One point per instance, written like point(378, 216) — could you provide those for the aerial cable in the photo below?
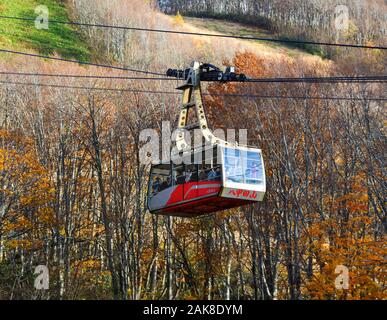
point(81, 76)
point(205, 94)
point(202, 34)
point(321, 79)
point(80, 62)
point(248, 80)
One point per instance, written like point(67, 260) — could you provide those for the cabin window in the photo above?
point(210, 168)
point(178, 176)
point(160, 178)
point(254, 168)
point(243, 166)
point(191, 173)
point(233, 165)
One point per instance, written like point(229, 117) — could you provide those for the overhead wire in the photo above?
point(347, 79)
point(359, 79)
point(94, 25)
point(80, 62)
point(81, 76)
point(336, 79)
point(205, 94)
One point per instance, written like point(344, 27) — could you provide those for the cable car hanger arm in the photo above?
point(192, 99)
point(209, 72)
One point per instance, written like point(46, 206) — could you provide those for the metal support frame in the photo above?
point(192, 98)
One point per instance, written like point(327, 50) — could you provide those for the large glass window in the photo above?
point(243, 166)
point(233, 165)
point(254, 168)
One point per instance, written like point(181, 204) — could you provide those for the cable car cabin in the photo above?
point(212, 179)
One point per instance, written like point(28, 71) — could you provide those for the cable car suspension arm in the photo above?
point(192, 98)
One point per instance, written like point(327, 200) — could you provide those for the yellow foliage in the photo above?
point(178, 19)
point(362, 255)
point(87, 265)
point(24, 244)
point(27, 190)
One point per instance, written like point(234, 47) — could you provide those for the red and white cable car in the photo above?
point(214, 177)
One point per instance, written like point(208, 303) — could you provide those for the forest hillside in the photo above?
point(73, 187)
point(311, 19)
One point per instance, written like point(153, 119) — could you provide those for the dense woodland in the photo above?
point(73, 189)
point(309, 19)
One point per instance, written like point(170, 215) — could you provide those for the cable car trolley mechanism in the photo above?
point(215, 176)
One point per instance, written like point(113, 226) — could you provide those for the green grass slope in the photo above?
point(59, 39)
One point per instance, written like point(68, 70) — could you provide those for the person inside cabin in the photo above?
point(202, 175)
point(230, 170)
point(174, 179)
point(252, 172)
point(217, 173)
point(156, 185)
point(181, 179)
point(188, 175)
point(164, 185)
point(212, 174)
point(194, 176)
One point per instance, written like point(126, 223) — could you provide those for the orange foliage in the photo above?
point(344, 241)
point(29, 192)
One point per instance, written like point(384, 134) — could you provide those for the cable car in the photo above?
point(215, 176)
